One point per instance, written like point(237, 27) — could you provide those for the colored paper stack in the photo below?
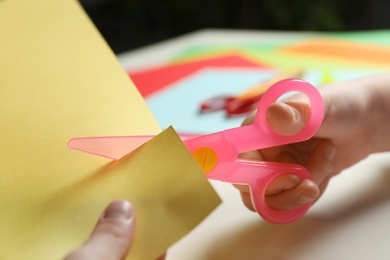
point(198, 90)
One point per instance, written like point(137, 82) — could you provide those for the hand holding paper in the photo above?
point(59, 79)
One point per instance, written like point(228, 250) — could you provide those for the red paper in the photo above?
point(152, 80)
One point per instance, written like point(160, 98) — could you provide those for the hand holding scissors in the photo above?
point(217, 153)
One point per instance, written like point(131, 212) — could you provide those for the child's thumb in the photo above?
point(288, 117)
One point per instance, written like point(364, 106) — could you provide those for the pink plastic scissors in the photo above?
point(217, 153)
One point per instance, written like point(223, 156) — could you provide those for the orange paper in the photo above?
point(336, 49)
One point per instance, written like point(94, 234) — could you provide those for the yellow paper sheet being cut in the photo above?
point(59, 80)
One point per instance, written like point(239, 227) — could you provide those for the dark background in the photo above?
point(129, 24)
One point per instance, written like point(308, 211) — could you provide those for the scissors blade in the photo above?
point(113, 147)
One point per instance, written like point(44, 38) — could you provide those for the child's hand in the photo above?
point(356, 122)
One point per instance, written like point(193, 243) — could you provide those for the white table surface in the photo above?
point(350, 221)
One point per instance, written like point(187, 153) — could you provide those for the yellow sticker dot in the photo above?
point(206, 158)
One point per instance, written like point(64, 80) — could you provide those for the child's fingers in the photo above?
point(284, 193)
point(321, 163)
point(247, 200)
point(305, 192)
point(282, 183)
point(288, 191)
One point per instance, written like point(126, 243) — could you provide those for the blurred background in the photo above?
point(129, 24)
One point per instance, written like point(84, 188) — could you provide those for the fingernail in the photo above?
point(303, 199)
point(119, 209)
point(329, 152)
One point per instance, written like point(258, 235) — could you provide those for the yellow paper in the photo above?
point(59, 80)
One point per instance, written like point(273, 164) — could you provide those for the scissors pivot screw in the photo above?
point(206, 158)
